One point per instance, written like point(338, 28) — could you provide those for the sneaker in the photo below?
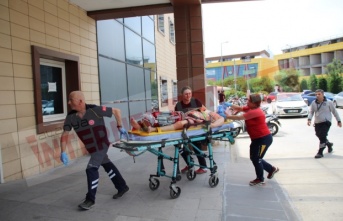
point(121, 193)
point(318, 155)
point(184, 170)
point(274, 171)
point(87, 204)
point(200, 171)
point(329, 146)
point(256, 182)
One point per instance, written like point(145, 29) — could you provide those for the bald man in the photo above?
point(88, 122)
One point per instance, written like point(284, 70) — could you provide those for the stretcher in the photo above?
point(139, 142)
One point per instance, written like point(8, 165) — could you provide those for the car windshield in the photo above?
point(328, 94)
point(289, 97)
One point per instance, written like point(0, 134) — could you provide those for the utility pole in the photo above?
point(221, 59)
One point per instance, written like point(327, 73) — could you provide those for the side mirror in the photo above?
point(306, 100)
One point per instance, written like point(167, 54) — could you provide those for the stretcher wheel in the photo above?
point(174, 194)
point(213, 181)
point(178, 177)
point(154, 184)
point(191, 174)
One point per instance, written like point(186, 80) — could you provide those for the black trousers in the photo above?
point(202, 160)
point(322, 130)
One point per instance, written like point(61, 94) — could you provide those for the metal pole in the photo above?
point(290, 54)
point(221, 61)
point(234, 76)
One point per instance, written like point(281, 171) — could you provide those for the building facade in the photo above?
point(50, 48)
point(309, 59)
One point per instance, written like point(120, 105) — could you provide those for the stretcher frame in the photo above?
point(156, 148)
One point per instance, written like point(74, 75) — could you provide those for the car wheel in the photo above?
point(335, 103)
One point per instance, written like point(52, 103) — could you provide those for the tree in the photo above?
point(323, 84)
point(313, 82)
point(288, 80)
point(334, 71)
point(303, 85)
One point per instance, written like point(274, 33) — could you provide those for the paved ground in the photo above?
point(304, 189)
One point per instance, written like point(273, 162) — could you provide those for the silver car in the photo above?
point(290, 104)
point(338, 99)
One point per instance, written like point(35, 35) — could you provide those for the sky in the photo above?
point(271, 25)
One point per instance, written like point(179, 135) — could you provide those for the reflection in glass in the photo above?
point(133, 45)
point(149, 55)
point(111, 39)
point(51, 90)
point(112, 78)
point(134, 23)
point(148, 28)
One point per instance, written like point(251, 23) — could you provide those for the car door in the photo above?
point(339, 99)
point(310, 98)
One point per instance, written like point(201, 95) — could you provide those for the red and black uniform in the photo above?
point(261, 139)
point(92, 132)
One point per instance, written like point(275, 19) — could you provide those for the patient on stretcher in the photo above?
point(190, 118)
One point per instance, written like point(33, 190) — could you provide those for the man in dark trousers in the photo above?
point(322, 109)
point(88, 122)
point(187, 103)
point(221, 96)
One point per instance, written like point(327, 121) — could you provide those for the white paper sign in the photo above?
point(52, 87)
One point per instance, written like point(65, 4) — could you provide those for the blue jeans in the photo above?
point(258, 149)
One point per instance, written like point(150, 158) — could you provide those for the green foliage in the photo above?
point(303, 85)
point(288, 80)
point(334, 71)
point(323, 84)
point(260, 84)
point(313, 82)
point(154, 90)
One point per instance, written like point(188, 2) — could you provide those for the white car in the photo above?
point(290, 104)
point(49, 108)
point(338, 99)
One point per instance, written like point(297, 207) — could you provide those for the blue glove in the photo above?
point(221, 111)
point(227, 104)
point(123, 132)
point(64, 158)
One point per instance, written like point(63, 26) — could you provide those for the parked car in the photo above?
point(338, 100)
point(306, 92)
point(290, 104)
point(271, 96)
point(310, 97)
point(49, 109)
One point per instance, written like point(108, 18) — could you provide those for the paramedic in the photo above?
point(259, 134)
point(88, 122)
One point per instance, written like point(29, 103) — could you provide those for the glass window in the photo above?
point(149, 55)
point(174, 92)
point(111, 39)
point(133, 46)
point(171, 32)
point(160, 23)
point(148, 28)
point(164, 92)
point(53, 87)
point(112, 80)
point(154, 91)
point(59, 79)
point(134, 23)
